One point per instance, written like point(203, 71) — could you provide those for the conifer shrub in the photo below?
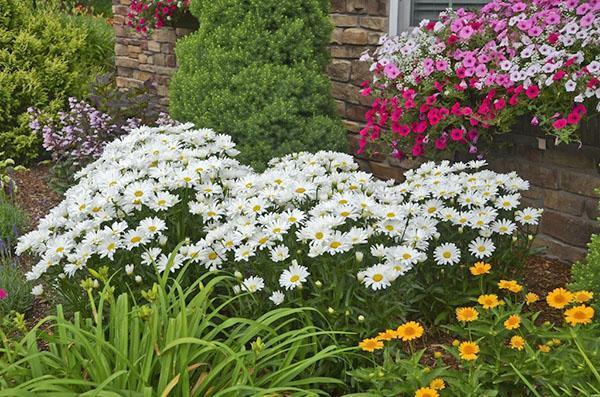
point(255, 69)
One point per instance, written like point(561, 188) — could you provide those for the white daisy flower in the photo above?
point(377, 277)
point(293, 277)
point(447, 254)
point(277, 297)
point(481, 247)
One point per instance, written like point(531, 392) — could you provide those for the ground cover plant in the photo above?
point(255, 70)
point(450, 85)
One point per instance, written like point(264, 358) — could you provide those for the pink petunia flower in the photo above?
point(3, 294)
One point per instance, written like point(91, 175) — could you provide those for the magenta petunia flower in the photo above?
point(3, 294)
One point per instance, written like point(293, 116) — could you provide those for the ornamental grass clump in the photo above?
point(176, 341)
point(451, 84)
point(313, 229)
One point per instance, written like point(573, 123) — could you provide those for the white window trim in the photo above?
point(399, 19)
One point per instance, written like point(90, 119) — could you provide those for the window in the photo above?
point(407, 13)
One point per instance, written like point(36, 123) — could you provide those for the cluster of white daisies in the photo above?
point(156, 187)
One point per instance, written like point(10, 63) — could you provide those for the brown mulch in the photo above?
point(33, 194)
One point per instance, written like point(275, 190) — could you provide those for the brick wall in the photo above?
point(563, 178)
point(139, 59)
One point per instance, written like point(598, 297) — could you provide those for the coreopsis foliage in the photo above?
point(451, 84)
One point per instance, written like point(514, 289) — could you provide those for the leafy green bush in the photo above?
point(585, 275)
point(12, 223)
point(180, 344)
point(19, 297)
point(254, 70)
point(45, 57)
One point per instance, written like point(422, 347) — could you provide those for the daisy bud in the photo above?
point(238, 275)
point(162, 240)
point(318, 284)
point(330, 310)
point(437, 354)
point(514, 238)
point(455, 342)
point(359, 256)
point(129, 270)
point(138, 279)
point(461, 230)
point(426, 370)
point(96, 284)
point(529, 237)
point(187, 240)
point(361, 318)
point(299, 252)
point(62, 276)
point(294, 262)
point(347, 313)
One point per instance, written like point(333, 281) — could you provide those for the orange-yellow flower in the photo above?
point(480, 268)
point(409, 331)
point(388, 334)
point(510, 285)
point(544, 348)
point(579, 315)
point(426, 392)
point(371, 344)
point(513, 322)
point(468, 350)
point(517, 342)
point(489, 301)
point(466, 314)
point(530, 298)
point(583, 296)
point(559, 298)
point(437, 384)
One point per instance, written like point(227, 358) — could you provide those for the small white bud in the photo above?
point(359, 256)
point(138, 279)
point(129, 269)
point(330, 310)
point(361, 318)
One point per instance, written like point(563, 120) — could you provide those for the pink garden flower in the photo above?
point(3, 294)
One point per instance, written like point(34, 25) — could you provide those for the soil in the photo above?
point(33, 194)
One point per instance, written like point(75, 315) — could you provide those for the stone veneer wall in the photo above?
point(563, 178)
point(139, 59)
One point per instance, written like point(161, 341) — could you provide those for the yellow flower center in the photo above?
point(377, 277)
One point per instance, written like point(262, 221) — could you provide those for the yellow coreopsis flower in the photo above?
point(371, 344)
point(583, 296)
point(513, 322)
point(437, 384)
point(559, 298)
point(488, 301)
point(510, 285)
point(544, 348)
point(468, 351)
point(530, 298)
point(388, 334)
point(409, 331)
point(426, 392)
point(517, 342)
point(579, 315)
point(466, 314)
point(480, 268)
